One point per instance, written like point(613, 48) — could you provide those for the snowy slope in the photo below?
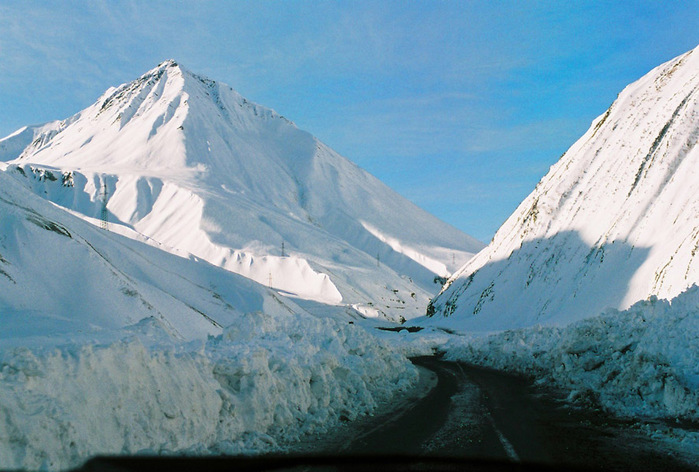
point(109, 345)
point(615, 220)
point(60, 276)
point(191, 164)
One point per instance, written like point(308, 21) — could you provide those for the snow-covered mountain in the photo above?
point(109, 345)
point(615, 220)
point(197, 169)
point(204, 320)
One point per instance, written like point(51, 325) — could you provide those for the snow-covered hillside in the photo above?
point(195, 167)
point(60, 276)
point(184, 328)
point(109, 345)
point(615, 220)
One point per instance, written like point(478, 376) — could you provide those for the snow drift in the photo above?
point(615, 221)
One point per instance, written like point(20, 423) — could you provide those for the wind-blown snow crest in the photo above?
point(615, 221)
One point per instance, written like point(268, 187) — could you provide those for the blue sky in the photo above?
point(459, 106)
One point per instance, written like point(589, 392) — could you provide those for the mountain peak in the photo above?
point(168, 107)
point(168, 63)
point(192, 164)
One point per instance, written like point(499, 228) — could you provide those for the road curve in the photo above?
point(479, 413)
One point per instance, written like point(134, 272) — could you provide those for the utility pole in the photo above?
point(378, 260)
point(104, 214)
point(283, 254)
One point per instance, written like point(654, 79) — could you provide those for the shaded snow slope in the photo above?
point(615, 220)
point(191, 164)
point(110, 345)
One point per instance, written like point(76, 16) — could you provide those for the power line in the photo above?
point(104, 214)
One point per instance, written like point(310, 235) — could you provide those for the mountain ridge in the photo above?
point(619, 205)
point(173, 145)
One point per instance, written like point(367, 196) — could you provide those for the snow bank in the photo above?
point(643, 361)
point(264, 382)
point(427, 342)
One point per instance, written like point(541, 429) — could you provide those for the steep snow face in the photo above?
point(191, 164)
point(615, 221)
